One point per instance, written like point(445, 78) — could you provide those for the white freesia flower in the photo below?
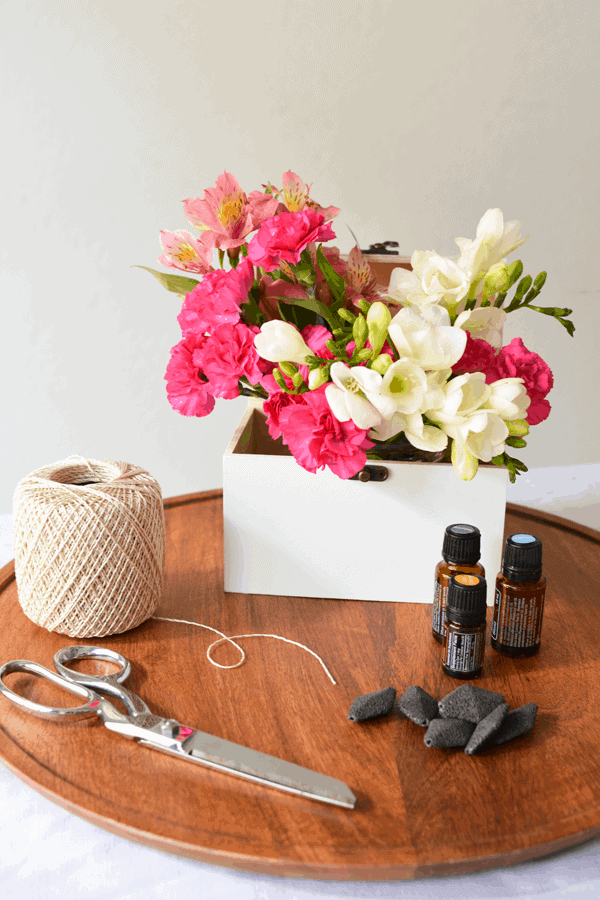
point(508, 397)
point(463, 396)
point(280, 342)
point(424, 437)
point(421, 436)
point(484, 323)
point(405, 383)
point(434, 281)
point(355, 394)
point(482, 433)
point(480, 437)
point(435, 395)
point(465, 464)
point(388, 428)
point(493, 242)
point(428, 339)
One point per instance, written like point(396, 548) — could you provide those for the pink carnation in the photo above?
point(228, 355)
point(216, 300)
point(278, 401)
point(479, 356)
point(317, 439)
point(316, 337)
point(516, 361)
point(188, 392)
point(283, 238)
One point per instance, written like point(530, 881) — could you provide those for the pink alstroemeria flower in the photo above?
point(226, 214)
point(360, 278)
point(283, 238)
point(294, 196)
point(182, 251)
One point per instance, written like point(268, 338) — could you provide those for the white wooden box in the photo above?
point(290, 533)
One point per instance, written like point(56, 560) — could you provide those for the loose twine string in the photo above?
point(232, 640)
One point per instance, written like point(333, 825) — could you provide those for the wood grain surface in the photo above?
point(420, 812)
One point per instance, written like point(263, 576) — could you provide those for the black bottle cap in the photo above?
point(522, 557)
point(462, 544)
point(466, 602)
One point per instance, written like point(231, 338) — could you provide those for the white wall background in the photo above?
point(413, 118)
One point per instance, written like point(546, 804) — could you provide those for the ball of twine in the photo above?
point(89, 546)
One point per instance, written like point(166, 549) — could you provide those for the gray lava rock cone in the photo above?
point(486, 729)
point(419, 706)
point(448, 733)
point(517, 722)
point(368, 706)
point(470, 703)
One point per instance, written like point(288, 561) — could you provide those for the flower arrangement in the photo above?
point(347, 369)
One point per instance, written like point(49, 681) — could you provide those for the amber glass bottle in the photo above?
point(519, 600)
point(463, 645)
point(461, 551)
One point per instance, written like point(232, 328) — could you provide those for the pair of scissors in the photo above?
point(165, 735)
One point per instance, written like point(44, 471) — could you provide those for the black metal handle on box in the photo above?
point(371, 473)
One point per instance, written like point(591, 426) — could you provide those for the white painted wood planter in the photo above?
point(290, 533)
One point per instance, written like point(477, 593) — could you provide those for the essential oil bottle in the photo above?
point(519, 600)
point(463, 645)
point(461, 551)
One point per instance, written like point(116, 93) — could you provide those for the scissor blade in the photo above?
point(218, 753)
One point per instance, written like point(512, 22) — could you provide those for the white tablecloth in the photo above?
point(46, 852)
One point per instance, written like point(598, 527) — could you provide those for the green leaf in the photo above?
point(567, 324)
point(552, 310)
point(315, 306)
point(516, 442)
point(514, 466)
point(286, 315)
point(557, 313)
point(335, 281)
point(304, 269)
point(288, 368)
point(251, 310)
point(515, 270)
point(177, 284)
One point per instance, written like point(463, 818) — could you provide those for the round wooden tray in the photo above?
point(420, 812)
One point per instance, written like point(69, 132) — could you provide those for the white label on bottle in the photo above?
point(464, 651)
point(440, 598)
point(518, 620)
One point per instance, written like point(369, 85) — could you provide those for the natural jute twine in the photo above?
point(89, 546)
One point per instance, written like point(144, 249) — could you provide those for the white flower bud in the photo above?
point(279, 342)
point(316, 378)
